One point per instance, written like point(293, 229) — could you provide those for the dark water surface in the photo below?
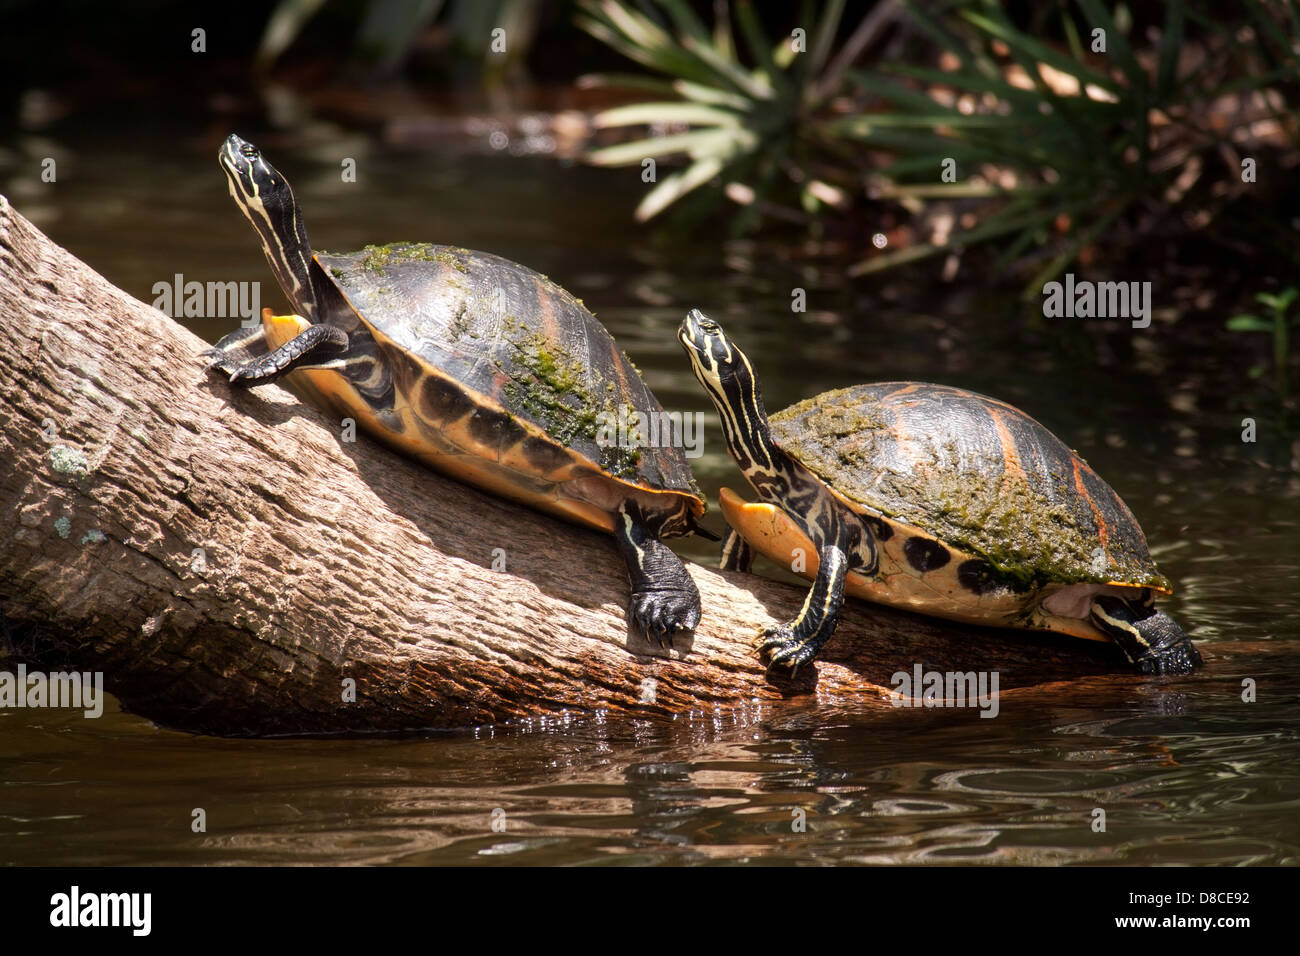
point(1186, 771)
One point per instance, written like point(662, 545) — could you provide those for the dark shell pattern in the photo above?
point(514, 336)
point(974, 472)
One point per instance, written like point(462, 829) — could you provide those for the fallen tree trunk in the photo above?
point(228, 563)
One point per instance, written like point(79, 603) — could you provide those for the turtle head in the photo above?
point(719, 364)
point(254, 183)
point(267, 199)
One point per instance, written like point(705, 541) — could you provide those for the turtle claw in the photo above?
point(218, 359)
point(781, 648)
point(661, 614)
point(236, 349)
point(665, 599)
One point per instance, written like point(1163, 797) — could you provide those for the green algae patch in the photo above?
point(832, 415)
point(548, 386)
point(68, 461)
point(379, 259)
point(1034, 528)
point(1029, 538)
point(63, 526)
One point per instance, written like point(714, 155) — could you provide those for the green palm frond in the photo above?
point(734, 118)
point(1080, 145)
point(1056, 139)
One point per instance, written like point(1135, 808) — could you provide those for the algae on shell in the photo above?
point(1032, 528)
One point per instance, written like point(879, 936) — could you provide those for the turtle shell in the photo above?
point(482, 336)
point(973, 472)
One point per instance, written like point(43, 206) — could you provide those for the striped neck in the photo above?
point(267, 199)
point(744, 420)
point(726, 374)
point(779, 478)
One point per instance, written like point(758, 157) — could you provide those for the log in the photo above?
point(229, 563)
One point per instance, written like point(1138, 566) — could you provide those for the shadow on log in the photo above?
point(228, 562)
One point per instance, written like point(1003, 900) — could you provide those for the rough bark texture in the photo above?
point(325, 560)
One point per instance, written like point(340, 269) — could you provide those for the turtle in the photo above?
point(933, 499)
point(478, 367)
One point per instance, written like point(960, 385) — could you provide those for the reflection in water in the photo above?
point(1185, 771)
point(795, 785)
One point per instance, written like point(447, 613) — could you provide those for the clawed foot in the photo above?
point(237, 349)
point(233, 364)
point(222, 362)
point(661, 614)
point(243, 354)
point(780, 647)
point(220, 359)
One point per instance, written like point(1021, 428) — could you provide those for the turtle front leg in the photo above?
point(664, 598)
point(317, 346)
point(1150, 639)
point(797, 642)
point(240, 347)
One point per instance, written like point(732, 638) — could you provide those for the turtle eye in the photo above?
point(249, 151)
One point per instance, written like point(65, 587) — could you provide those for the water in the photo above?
point(1186, 771)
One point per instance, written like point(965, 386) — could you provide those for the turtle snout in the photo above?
point(236, 146)
point(702, 322)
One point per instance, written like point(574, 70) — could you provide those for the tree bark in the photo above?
point(228, 562)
